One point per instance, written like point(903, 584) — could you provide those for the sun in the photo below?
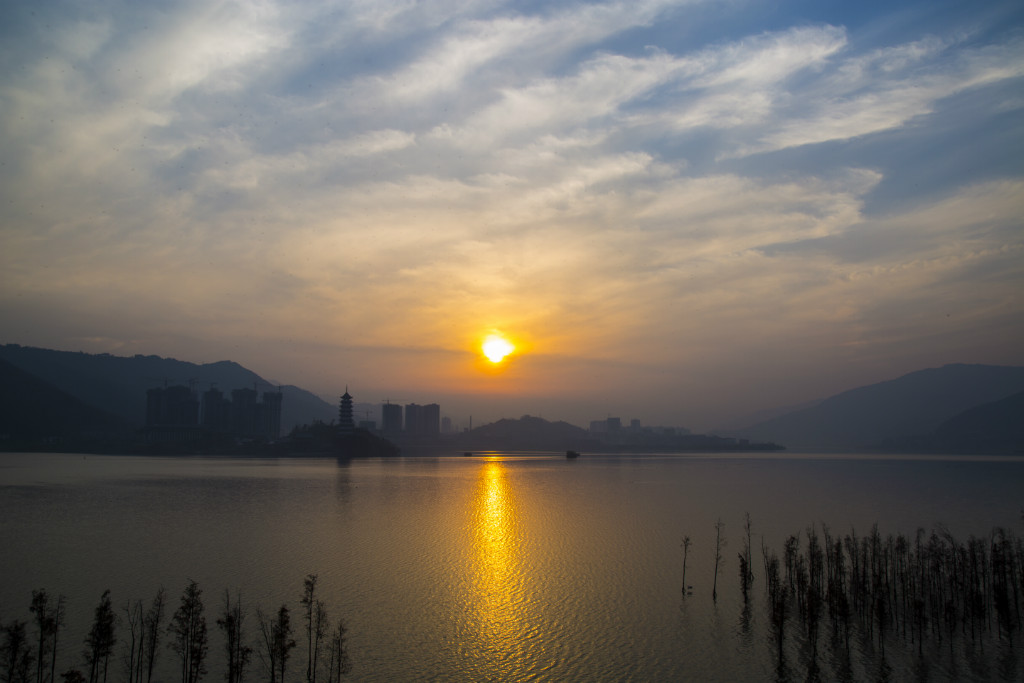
point(496, 347)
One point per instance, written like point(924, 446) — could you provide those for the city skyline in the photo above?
point(681, 211)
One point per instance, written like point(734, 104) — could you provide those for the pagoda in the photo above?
point(345, 423)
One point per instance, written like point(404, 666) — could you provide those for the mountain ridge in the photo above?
point(118, 384)
point(866, 417)
point(32, 409)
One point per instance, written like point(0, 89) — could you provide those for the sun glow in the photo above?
point(496, 348)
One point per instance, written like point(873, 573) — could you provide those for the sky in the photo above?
point(684, 212)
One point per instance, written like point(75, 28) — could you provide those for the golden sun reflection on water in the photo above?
point(497, 598)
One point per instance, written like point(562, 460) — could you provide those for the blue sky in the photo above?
point(679, 211)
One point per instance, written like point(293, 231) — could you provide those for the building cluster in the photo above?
point(419, 421)
point(612, 427)
point(176, 414)
point(412, 420)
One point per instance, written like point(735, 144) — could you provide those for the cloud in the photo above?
point(610, 181)
point(886, 90)
point(498, 43)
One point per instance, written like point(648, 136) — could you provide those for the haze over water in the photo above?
point(500, 567)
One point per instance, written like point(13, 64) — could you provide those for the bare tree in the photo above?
point(310, 604)
point(232, 623)
point(276, 642)
point(747, 551)
point(15, 653)
point(337, 654)
point(133, 648)
point(686, 551)
point(188, 634)
point(719, 544)
point(321, 625)
point(745, 560)
point(151, 638)
point(47, 621)
point(57, 621)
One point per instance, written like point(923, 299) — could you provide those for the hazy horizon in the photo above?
point(679, 211)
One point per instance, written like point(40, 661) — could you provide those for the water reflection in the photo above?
point(497, 588)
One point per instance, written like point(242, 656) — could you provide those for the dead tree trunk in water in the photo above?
point(686, 551)
point(719, 543)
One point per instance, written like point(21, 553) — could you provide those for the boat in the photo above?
point(468, 453)
point(572, 454)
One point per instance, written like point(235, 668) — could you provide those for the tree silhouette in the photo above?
point(48, 621)
point(337, 654)
point(188, 634)
point(134, 647)
point(315, 616)
point(277, 642)
point(151, 637)
point(15, 653)
point(232, 623)
point(101, 639)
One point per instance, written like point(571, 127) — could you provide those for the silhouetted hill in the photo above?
point(914, 404)
point(996, 427)
point(118, 384)
point(528, 433)
point(34, 412)
point(537, 434)
point(1001, 420)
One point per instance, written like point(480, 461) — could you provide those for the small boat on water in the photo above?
point(468, 453)
point(572, 454)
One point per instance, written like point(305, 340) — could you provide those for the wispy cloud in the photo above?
point(608, 180)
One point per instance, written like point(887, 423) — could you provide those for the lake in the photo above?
point(496, 567)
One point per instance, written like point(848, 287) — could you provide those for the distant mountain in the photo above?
point(1001, 421)
point(528, 433)
point(996, 427)
point(914, 404)
point(34, 411)
point(118, 384)
point(737, 423)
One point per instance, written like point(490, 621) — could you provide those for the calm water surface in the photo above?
point(501, 567)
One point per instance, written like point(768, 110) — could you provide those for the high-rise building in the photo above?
point(413, 419)
point(391, 418)
point(270, 418)
point(172, 415)
point(422, 420)
point(175, 405)
point(216, 411)
point(431, 419)
point(609, 424)
point(242, 416)
point(243, 412)
point(154, 404)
